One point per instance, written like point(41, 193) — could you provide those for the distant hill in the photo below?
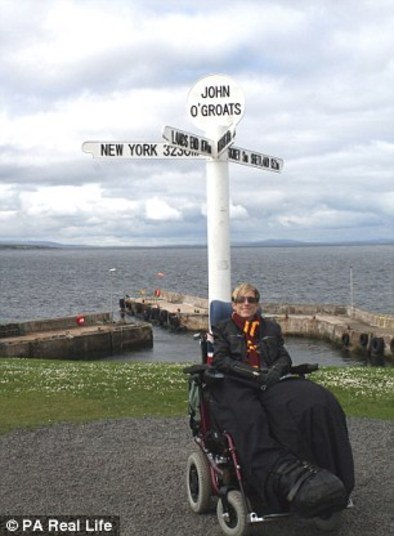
point(295, 243)
point(32, 244)
point(272, 242)
point(43, 244)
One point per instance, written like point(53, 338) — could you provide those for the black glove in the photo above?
point(242, 370)
point(271, 377)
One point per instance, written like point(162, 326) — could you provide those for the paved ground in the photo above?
point(135, 469)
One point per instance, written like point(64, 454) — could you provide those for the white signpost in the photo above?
point(215, 104)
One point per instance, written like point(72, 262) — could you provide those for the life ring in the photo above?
point(346, 339)
point(80, 320)
point(157, 293)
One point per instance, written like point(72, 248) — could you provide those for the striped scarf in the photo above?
point(250, 330)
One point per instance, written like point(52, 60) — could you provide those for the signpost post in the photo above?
point(215, 105)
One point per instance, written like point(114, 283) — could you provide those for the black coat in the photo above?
point(229, 344)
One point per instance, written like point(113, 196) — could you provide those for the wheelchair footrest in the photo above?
point(254, 518)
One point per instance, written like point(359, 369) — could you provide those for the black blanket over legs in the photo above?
point(295, 416)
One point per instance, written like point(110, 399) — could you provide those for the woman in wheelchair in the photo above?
point(290, 433)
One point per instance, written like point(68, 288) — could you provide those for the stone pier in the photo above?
point(90, 336)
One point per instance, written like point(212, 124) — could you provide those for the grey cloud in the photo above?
point(318, 81)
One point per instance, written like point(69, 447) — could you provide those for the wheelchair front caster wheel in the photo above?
point(328, 523)
point(234, 522)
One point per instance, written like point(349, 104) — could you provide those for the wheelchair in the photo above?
point(213, 472)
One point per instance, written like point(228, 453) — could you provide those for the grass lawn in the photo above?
point(43, 392)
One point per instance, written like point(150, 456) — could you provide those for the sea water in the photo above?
point(47, 283)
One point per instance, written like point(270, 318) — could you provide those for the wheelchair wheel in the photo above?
point(198, 483)
point(234, 523)
point(329, 522)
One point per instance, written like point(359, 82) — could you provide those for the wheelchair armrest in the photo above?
point(213, 374)
point(195, 369)
point(304, 368)
point(204, 373)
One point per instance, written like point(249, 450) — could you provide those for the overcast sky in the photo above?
point(318, 81)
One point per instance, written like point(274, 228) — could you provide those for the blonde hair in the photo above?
point(242, 289)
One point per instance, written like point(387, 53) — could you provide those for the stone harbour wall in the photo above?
point(350, 328)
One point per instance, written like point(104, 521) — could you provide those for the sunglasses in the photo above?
point(246, 299)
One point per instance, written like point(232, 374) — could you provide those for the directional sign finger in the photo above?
point(188, 141)
point(194, 142)
point(255, 159)
point(138, 150)
point(225, 141)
